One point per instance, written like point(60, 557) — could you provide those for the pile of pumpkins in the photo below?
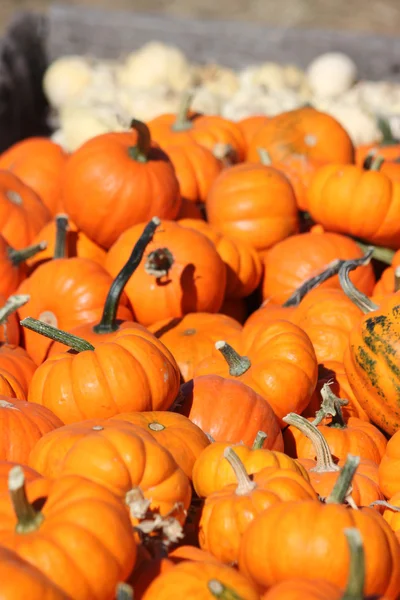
point(200, 362)
point(91, 96)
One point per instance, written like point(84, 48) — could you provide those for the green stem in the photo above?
point(57, 335)
point(386, 131)
point(182, 120)
point(297, 296)
point(376, 163)
point(341, 488)
point(108, 321)
point(360, 300)
point(384, 255)
point(331, 406)
point(28, 519)
point(264, 157)
point(356, 580)
point(238, 365)
point(124, 592)
point(221, 591)
point(385, 504)
point(259, 440)
point(60, 247)
point(12, 304)
point(245, 484)
point(141, 151)
point(19, 256)
point(325, 462)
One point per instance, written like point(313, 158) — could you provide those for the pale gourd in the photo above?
point(146, 104)
point(269, 75)
point(218, 80)
point(205, 101)
point(81, 123)
point(66, 79)
point(331, 74)
point(156, 64)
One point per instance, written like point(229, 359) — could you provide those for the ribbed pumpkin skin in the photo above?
point(253, 203)
point(303, 131)
point(82, 519)
point(110, 177)
point(302, 539)
point(389, 468)
point(294, 260)
point(348, 199)
point(39, 163)
point(301, 589)
point(251, 125)
point(18, 363)
point(19, 577)
point(371, 362)
point(191, 338)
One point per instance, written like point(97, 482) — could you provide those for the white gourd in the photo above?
point(66, 79)
point(331, 74)
point(79, 124)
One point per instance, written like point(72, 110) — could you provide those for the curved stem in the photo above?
point(220, 590)
point(359, 299)
point(159, 262)
point(376, 163)
point(384, 255)
point(356, 580)
point(57, 335)
point(182, 120)
point(331, 406)
point(264, 157)
point(385, 504)
point(259, 440)
point(124, 592)
point(297, 296)
point(12, 304)
point(238, 365)
point(141, 151)
point(341, 488)
point(245, 484)
point(19, 256)
point(27, 518)
point(325, 462)
point(397, 279)
point(60, 247)
point(108, 320)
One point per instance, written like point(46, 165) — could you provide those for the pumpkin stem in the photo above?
point(19, 256)
point(238, 365)
point(57, 335)
point(341, 488)
point(141, 151)
point(159, 262)
point(12, 304)
point(387, 134)
point(397, 279)
point(297, 296)
point(264, 157)
point(220, 590)
point(124, 591)
point(226, 153)
point(331, 405)
point(182, 120)
point(245, 484)
point(359, 299)
point(384, 255)
point(259, 440)
point(27, 518)
point(108, 321)
point(385, 504)
point(60, 247)
point(356, 580)
point(375, 164)
point(325, 461)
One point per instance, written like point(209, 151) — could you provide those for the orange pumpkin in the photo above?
point(77, 244)
point(358, 202)
point(227, 513)
point(279, 363)
point(133, 371)
point(78, 516)
point(212, 472)
point(22, 213)
point(114, 168)
point(208, 131)
point(389, 478)
point(191, 338)
point(389, 283)
point(133, 465)
point(196, 167)
point(30, 476)
point(391, 514)
point(294, 260)
point(39, 163)
point(207, 580)
point(254, 204)
point(243, 265)
point(17, 362)
point(303, 131)
point(13, 265)
point(210, 401)
point(180, 273)
point(251, 125)
point(10, 386)
point(182, 438)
